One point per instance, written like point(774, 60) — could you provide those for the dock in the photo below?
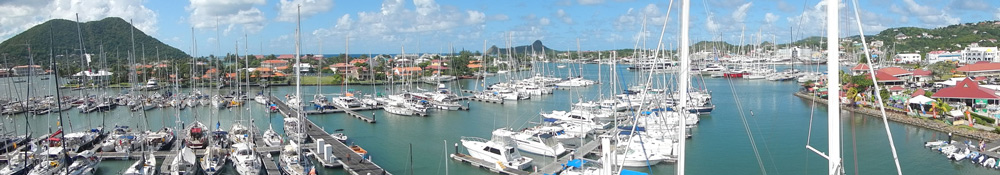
point(314, 132)
point(473, 98)
point(557, 166)
point(487, 165)
point(287, 111)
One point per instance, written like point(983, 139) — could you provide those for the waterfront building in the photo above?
point(28, 70)
point(969, 93)
point(939, 56)
point(980, 69)
point(274, 63)
point(860, 69)
point(977, 54)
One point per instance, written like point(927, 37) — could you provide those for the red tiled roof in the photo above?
point(966, 89)
point(979, 79)
point(437, 67)
point(896, 88)
point(918, 92)
point(883, 77)
point(359, 61)
point(474, 65)
point(341, 65)
point(274, 61)
point(921, 72)
point(860, 67)
point(263, 69)
point(979, 67)
point(895, 71)
point(286, 56)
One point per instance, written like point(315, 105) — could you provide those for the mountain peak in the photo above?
point(113, 33)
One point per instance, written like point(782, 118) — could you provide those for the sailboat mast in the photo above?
point(682, 83)
point(833, 87)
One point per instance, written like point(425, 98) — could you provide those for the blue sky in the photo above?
point(433, 25)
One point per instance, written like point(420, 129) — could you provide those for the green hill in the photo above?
point(536, 47)
point(113, 33)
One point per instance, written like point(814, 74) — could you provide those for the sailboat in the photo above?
point(293, 162)
point(83, 163)
point(244, 155)
point(184, 162)
point(22, 161)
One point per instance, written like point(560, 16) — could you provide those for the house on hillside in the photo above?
point(907, 58)
point(860, 69)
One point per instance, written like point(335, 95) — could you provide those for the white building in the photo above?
point(939, 56)
point(977, 54)
point(907, 58)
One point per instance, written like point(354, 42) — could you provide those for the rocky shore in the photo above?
point(911, 120)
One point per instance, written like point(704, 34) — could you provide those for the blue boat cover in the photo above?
point(94, 130)
point(646, 112)
point(630, 172)
point(658, 109)
point(550, 120)
point(630, 128)
point(576, 163)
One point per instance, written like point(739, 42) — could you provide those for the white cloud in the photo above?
point(770, 18)
point(632, 19)
point(209, 13)
point(564, 17)
point(997, 14)
point(19, 15)
point(740, 14)
point(287, 8)
point(929, 16)
point(394, 21)
point(544, 21)
point(475, 17)
point(711, 25)
point(590, 2)
point(499, 17)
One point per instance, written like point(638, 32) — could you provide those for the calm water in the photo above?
point(778, 121)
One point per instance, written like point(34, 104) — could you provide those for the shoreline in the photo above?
point(911, 120)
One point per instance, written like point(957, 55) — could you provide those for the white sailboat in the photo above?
point(293, 162)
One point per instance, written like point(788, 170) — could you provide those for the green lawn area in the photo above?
point(324, 80)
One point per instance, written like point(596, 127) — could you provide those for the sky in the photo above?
point(433, 26)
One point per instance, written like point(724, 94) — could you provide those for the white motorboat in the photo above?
point(347, 101)
point(500, 148)
point(260, 99)
point(245, 159)
point(144, 166)
point(576, 82)
point(532, 140)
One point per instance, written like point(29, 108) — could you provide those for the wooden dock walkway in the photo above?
point(353, 164)
point(557, 166)
point(487, 165)
point(288, 111)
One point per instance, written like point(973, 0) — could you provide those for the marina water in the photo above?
point(779, 122)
